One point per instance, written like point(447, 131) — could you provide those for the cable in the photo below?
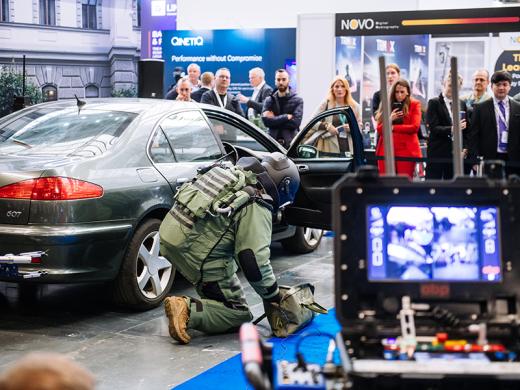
point(299, 355)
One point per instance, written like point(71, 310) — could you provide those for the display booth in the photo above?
point(420, 42)
point(237, 50)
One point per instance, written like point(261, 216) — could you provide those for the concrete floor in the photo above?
point(127, 350)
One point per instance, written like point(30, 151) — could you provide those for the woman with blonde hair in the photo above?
point(332, 135)
point(406, 119)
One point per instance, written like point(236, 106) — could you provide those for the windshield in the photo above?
point(63, 132)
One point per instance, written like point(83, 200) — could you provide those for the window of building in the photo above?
point(50, 93)
point(91, 91)
point(89, 10)
point(4, 11)
point(48, 12)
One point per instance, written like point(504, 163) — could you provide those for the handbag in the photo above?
point(294, 311)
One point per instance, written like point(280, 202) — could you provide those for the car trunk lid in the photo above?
point(14, 170)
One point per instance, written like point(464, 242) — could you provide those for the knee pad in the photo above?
point(247, 261)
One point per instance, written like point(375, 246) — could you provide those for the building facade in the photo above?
point(87, 48)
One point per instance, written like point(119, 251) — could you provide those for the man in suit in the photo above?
point(495, 125)
point(207, 83)
point(439, 122)
point(261, 91)
point(219, 96)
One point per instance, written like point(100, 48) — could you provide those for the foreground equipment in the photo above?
point(427, 281)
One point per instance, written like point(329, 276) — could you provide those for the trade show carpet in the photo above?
point(229, 375)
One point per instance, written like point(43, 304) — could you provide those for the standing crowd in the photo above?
point(280, 110)
point(489, 120)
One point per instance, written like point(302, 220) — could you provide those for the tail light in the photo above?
point(51, 188)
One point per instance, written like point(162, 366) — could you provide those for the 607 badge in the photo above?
point(13, 214)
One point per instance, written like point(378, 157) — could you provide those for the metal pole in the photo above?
point(23, 76)
point(458, 163)
point(387, 124)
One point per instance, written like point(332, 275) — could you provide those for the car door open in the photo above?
point(330, 146)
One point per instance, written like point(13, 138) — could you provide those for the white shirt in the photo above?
point(447, 103)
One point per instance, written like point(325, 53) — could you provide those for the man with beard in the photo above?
point(282, 111)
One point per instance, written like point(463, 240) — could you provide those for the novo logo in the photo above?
point(354, 24)
point(188, 41)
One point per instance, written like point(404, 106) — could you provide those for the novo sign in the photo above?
point(187, 41)
point(355, 24)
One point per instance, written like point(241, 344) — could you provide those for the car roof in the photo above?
point(133, 105)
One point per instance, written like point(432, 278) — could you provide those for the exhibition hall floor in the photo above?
point(127, 350)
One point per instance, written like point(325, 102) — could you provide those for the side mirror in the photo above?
point(307, 151)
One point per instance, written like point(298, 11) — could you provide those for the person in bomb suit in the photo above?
point(217, 244)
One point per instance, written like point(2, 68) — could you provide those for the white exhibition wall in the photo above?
point(228, 14)
point(314, 20)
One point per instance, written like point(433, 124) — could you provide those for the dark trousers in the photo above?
point(283, 136)
point(439, 171)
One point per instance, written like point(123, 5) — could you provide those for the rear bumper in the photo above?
point(74, 252)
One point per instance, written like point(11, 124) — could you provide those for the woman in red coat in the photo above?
point(406, 119)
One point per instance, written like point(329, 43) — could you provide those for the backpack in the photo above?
point(217, 190)
point(296, 309)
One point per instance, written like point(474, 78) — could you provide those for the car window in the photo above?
point(191, 137)
point(235, 136)
point(64, 132)
point(160, 150)
point(328, 137)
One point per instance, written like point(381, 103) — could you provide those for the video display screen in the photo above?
point(433, 243)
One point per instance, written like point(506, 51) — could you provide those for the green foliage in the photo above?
point(11, 83)
point(124, 92)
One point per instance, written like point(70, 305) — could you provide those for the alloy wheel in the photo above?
point(312, 236)
point(153, 270)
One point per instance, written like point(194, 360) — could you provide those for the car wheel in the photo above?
point(305, 240)
point(145, 277)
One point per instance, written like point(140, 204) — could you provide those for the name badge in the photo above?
point(503, 137)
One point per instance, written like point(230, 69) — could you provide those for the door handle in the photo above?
point(303, 168)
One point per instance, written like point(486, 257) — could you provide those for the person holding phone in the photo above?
point(406, 119)
point(332, 134)
point(439, 122)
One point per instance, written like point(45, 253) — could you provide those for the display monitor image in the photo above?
point(433, 243)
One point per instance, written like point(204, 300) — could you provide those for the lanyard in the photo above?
point(500, 115)
point(220, 102)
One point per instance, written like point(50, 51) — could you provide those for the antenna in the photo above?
point(387, 125)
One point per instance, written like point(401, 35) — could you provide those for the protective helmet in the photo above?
point(284, 175)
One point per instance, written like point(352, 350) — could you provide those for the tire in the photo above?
point(305, 240)
point(145, 277)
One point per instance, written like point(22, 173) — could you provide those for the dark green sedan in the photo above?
point(87, 187)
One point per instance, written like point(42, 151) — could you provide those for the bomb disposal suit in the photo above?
point(220, 221)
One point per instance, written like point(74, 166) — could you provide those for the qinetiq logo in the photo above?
point(187, 41)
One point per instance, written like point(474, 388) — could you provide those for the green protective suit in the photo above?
point(209, 254)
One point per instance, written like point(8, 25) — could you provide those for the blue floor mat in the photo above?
point(229, 375)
